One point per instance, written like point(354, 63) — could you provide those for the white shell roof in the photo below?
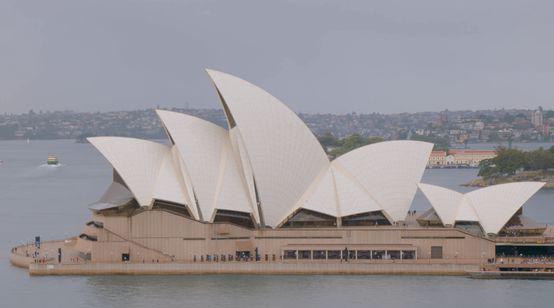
point(389, 172)
point(170, 185)
point(268, 155)
point(495, 205)
point(353, 198)
point(466, 211)
point(446, 202)
point(322, 197)
point(245, 169)
point(340, 191)
point(284, 155)
point(114, 196)
point(137, 161)
point(491, 206)
point(208, 157)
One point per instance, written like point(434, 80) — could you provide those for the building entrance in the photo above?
point(242, 255)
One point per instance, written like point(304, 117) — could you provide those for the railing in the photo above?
point(525, 240)
point(139, 244)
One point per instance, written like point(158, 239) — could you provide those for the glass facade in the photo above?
point(306, 219)
point(365, 219)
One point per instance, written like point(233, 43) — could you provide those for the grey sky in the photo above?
point(316, 56)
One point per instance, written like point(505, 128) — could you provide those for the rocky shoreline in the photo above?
point(524, 176)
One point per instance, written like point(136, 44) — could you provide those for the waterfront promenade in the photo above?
point(21, 256)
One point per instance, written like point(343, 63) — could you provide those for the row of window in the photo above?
point(349, 254)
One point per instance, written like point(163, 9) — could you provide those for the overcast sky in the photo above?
point(316, 56)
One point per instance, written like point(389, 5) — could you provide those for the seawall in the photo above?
point(251, 268)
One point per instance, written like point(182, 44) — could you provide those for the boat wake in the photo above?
point(43, 170)
point(47, 166)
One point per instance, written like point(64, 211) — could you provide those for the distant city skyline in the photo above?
point(440, 128)
point(317, 57)
point(217, 107)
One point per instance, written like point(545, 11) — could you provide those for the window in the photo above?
point(171, 207)
point(394, 254)
point(408, 254)
point(238, 218)
point(304, 254)
point(307, 219)
point(375, 218)
point(320, 255)
point(351, 254)
point(333, 254)
point(436, 252)
point(378, 254)
point(290, 254)
point(472, 227)
point(364, 254)
point(125, 257)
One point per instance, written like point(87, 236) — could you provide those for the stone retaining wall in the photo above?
point(250, 268)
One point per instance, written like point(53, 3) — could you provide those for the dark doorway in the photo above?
point(242, 255)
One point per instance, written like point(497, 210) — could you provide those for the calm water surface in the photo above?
point(52, 202)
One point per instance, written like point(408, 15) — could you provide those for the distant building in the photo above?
point(479, 125)
point(537, 118)
point(437, 159)
point(458, 157)
point(443, 120)
point(471, 158)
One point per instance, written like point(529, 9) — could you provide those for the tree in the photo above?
point(441, 144)
point(508, 161)
point(540, 159)
point(328, 140)
point(487, 168)
point(352, 142)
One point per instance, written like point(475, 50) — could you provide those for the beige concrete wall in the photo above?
point(160, 235)
point(20, 260)
point(252, 268)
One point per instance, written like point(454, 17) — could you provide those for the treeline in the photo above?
point(509, 161)
point(336, 147)
point(440, 143)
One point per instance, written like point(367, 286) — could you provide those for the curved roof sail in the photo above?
point(495, 205)
point(138, 162)
point(284, 155)
point(210, 163)
point(491, 206)
point(321, 197)
point(353, 198)
point(170, 185)
point(389, 171)
point(446, 202)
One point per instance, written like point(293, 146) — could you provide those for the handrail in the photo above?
point(139, 244)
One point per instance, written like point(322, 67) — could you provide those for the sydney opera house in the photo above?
point(262, 195)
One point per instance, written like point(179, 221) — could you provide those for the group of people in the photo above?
point(223, 258)
point(525, 260)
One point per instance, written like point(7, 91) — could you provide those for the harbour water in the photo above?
point(51, 201)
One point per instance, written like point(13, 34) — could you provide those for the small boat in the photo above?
point(52, 160)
